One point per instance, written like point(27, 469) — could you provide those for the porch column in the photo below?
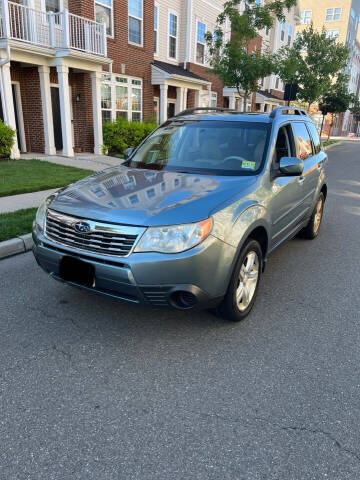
point(185, 94)
point(163, 103)
point(65, 111)
point(179, 99)
point(197, 98)
point(8, 105)
point(44, 75)
point(97, 119)
point(232, 102)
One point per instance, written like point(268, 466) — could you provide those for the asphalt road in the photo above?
point(94, 389)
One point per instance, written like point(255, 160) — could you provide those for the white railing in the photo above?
point(55, 30)
point(87, 35)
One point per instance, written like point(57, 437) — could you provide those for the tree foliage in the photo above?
point(229, 55)
point(314, 62)
point(337, 99)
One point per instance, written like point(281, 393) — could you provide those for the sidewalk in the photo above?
point(24, 200)
point(88, 161)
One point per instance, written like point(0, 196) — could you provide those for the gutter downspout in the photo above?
point(189, 18)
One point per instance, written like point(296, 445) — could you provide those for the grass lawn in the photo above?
point(330, 142)
point(16, 223)
point(24, 176)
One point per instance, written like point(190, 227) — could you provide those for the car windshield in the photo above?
point(211, 147)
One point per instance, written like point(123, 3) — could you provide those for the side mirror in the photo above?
point(128, 152)
point(291, 166)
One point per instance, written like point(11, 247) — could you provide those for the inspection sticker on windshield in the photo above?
point(248, 164)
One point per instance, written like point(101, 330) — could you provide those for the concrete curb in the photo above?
point(16, 245)
point(329, 147)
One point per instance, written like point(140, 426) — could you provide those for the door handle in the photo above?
point(301, 180)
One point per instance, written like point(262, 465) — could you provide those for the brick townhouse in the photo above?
point(66, 66)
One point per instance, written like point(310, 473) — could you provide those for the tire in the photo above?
point(235, 309)
point(312, 229)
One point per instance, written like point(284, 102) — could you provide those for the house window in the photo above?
point(282, 34)
point(333, 14)
point(135, 9)
point(136, 91)
point(156, 28)
point(52, 6)
point(200, 42)
point(121, 97)
point(305, 16)
point(277, 82)
point(332, 33)
point(290, 34)
point(104, 14)
point(173, 19)
point(106, 102)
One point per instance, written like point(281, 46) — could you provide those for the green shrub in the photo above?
point(7, 140)
point(120, 135)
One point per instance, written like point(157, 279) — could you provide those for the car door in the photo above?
point(287, 192)
point(306, 151)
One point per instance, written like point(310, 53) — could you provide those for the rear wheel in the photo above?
point(312, 228)
point(244, 283)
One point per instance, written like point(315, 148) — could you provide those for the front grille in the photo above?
point(103, 238)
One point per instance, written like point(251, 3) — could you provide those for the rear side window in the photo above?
point(315, 137)
point(302, 140)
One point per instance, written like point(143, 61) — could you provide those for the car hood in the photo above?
point(147, 197)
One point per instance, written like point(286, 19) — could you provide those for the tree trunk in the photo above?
point(331, 125)
point(245, 100)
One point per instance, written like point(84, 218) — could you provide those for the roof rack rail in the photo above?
point(189, 111)
point(285, 111)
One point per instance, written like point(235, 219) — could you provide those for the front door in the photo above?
point(171, 109)
point(55, 101)
point(16, 111)
point(287, 192)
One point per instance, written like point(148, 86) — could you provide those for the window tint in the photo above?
point(206, 147)
point(282, 148)
point(315, 137)
point(302, 139)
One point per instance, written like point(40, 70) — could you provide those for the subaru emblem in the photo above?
point(82, 227)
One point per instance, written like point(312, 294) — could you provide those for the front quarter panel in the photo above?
point(233, 224)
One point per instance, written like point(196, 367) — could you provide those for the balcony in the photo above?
point(58, 31)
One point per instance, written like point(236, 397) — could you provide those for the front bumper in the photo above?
point(197, 278)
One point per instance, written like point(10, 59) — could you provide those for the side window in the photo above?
point(315, 137)
point(302, 140)
point(283, 144)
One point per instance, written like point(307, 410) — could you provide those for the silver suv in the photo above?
point(191, 216)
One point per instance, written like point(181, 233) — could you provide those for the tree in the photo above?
point(230, 57)
point(337, 99)
point(313, 62)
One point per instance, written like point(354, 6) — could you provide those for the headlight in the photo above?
point(175, 238)
point(41, 212)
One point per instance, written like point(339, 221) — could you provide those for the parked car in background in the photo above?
point(192, 215)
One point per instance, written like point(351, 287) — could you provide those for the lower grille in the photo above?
point(103, 238)
point(155, 296)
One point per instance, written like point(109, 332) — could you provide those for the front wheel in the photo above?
point(244, 283)
point(312, 228)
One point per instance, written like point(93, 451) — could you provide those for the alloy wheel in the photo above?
point(248, 279)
